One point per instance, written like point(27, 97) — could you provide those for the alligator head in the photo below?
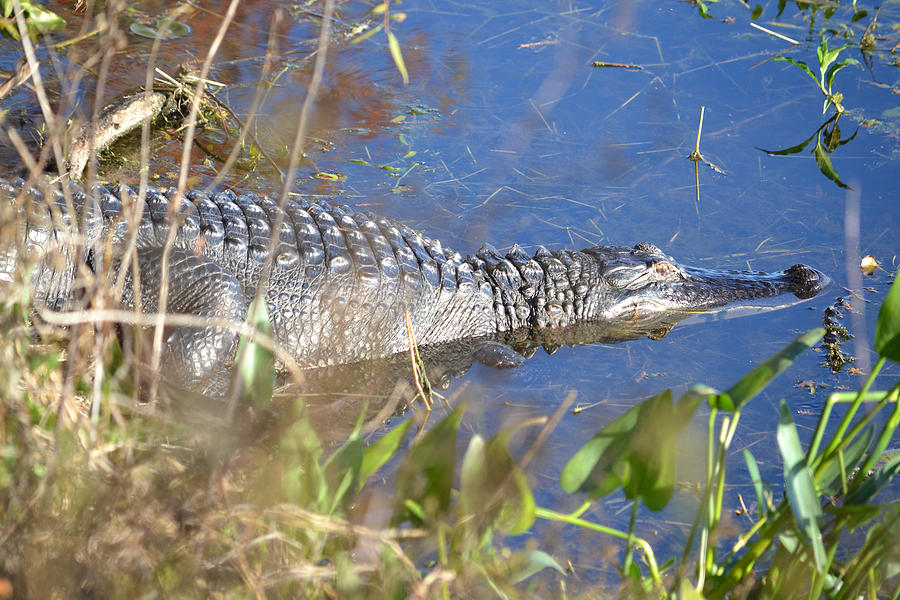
point(642, 281)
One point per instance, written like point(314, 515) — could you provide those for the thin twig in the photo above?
point(182, 186)
point(774, 33)
point(296, 151)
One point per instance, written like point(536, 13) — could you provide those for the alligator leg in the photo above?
point(194, 359)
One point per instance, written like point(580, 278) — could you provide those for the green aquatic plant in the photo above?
point(828, 68)
point(796, 548)
point(38, 20)
point(384, 10)
point(164, 29)
point(828, 139)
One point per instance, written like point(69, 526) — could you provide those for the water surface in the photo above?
point(507, 133)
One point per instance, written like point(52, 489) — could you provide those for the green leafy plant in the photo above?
point(828, 139)
point(795, 549)
point(38, 19)
point(828, 68)
point(165, 28)
point(393, 43)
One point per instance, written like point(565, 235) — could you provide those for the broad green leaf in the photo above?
point(493, 490)
point(781, 5)
point(166, 29)
point(426, 476)
point(171, 29)
point(821, 53)
point(757, 11)
point(41, 20)
point(256, 366)
point(799, 63)
point(397, 55)
point(825, 166)
point(472, 476)
point(383, 450)
point(597, 459)
point(849, 139)
point(721, 402)
point(799, 485)
point(829, 56)
point(537, 560)
point(793, 149)
point(653, 454)
point(517, 512)
point(636, 451)
point(753, 382)
point(703, 10)
point(832, 138)
point(832, 71)
point(143, 30)
point(887, 331)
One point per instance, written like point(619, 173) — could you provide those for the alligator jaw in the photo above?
point(693, 290)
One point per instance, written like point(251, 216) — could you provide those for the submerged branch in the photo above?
point(116, 120)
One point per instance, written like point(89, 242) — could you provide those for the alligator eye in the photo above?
point(664, 269)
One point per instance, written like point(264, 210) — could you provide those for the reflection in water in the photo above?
point(337, 396)
point(828, 139)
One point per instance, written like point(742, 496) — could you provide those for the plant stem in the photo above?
point(626, 564)
point(699, 129)
point(551, 515)
point(838, 437)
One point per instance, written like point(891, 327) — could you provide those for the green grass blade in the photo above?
point(383, 450)
point(875, 483)
point(753, 468)
point(366, 35)
point(397, 55)
point(256, 369)
point(757, 379)
point(829, 480)
point(799, 485)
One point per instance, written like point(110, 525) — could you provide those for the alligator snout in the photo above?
point(806, 282)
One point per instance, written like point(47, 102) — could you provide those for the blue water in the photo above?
point(506, 133)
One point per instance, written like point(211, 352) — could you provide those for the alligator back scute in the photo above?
point(340, 285)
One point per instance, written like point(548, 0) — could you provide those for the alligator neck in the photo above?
point(548, 290)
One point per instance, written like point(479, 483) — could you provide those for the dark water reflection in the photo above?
point(516, 138)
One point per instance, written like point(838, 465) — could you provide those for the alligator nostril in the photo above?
point(805, 281)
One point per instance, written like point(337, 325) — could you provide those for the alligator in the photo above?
point(340, 285)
